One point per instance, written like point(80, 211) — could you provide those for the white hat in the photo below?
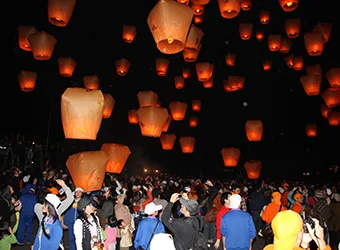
point(151, 208)
point(54, 200)
point(78, 189)
point(162, 241)
point(235, 201)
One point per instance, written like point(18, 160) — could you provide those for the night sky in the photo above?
point(93, 37)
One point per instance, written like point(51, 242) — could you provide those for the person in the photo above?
point(7, 237)
point(111, 233)
point(224, 209)
point(156, 194)
point(298, 204)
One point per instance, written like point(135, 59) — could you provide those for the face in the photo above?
point(183, 210)
point(89, 209)
point(78, 194)
point(107, 193)
point(44, 208)
point(11, 190)
point(237, 190)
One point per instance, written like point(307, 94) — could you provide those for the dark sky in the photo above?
point(93, 39)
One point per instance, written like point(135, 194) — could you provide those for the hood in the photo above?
point(26, 189)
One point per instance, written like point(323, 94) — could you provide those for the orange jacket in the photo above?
point(297, 207)
point(271, 211)
point(271, 247)
point(284, 198)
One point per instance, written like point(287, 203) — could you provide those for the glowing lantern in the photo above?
point(311, 84)
point(274, 42)
point(314, 43)
point(162, 65)
point(152, 120)
point(331, 97)
point(42, 45)
point(230, 59)
point(325, 28)
point(109, 104)
point(311, 130)
point(179, 82)
point(129, 33)
point(168, 141)
point(289, 5)
point(147, 98)
point(196, 105)
point(194, 38)
point(241, 81)
point(245, 30)
point(229, 8)
point(233, 83)
point(197, 8)
point(178, 110)
point(198, 19)
point(264, 16)
point(117, 157)
point(66, 66)
point(253, 168)
point(186, 73)
point(246, 4)
point(292, 27)
point(169, 23)
point(297, 62)
point(285, 45)
point(334, 118)
point(230, 156)
point(122, 67)
point(324, 110)
point(183, 1)
point(208, 84)
point(201, 2)
point(23, 33)
point(190, 55)
point(193, 121)
point(333, 77)
point(314, 70)
point(267, 65)
point(259, 35)
point(87, 169)
point(289, 60)
point(60, 11)
point(254, 130)
point(81, 113)
point(132, 116)
point(91, 82)
point(204, 71)
point(167, 124)
point(187, 144)
point(27, 80)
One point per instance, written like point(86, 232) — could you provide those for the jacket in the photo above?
point(55, 231)
point(28, 200)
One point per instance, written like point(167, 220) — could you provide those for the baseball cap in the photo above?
point(191, 205)
point(83, 203)
point(235, 201)
point(151, 208)
point(78, 189)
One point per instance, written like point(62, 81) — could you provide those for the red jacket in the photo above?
point(219, 216)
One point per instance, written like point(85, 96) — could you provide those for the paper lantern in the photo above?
point(297, 62)
point(325, 28)
point(109, 104)
point(190, 55)
point(162, 65)
point(187, 144)
point(42, 45)
point(179, 82)
point(169, 23)
point(230, 59)
point(132, 116)
point(152, 120)
point(193, 121)
point(201, 2)
point(198, 19)
point(267, 65)
point(91, 82)
point(246, 4)
point(274, 42)
point(253, 168)
point(289, 5)
point(286, 44)
point(186, 73)
point(230, 156)
point(331, 97)
point(292, 27)
point(314, 43)
point(129, 33)
point(197, 8)
point(122, 67)
point(229, 8)
point(324, 110)
point(81, 113)
point(314, 69)
point(254, 130)
point(27, 80)
point(194, 38)
point(289, 60)
point(60, 11)
point(66, 66)
point(333, 77)
point(204, 71)
point(178, 110)
point(311, 130)
point(233, 83)
point(196, 105)
point(241, 81)
point(168, 141)
point(147, 98)
point(311, 84)
point(167, 124)
point(23, 33)
point(264, 16)
point(245, 30)
point(87, 169)
point(259, 35)
point(117, 156)
point(334, 118)
point(183, 1)
point(208, 84)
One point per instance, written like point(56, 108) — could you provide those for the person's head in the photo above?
point(162, 241)
point(51, 205)
point(276, 197)
point(78, 193)
point(235, 201)
point(236, 189)
point(299, 197)
point(107, 193)
point(4, 226)
point(121, 224)
point(225, 199)
point(189, 207)
point(85, 207)
point(156, 193)
point(319, 195)
point(285, 186)
point(6, 191)
point(111, 221)
point(152, 209)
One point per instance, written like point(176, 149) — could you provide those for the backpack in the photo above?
point(199, 241)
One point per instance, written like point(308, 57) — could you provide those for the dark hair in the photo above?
point(5, 192)
point(51, 210)
point(3, 229)
point(224, 197)
point(119, 223)
point(112, 221)
point(156, 192)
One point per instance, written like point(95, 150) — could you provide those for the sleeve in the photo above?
point(78, 234)
point(160, 228)
point(15, 228)
point(65, 204)
point(168, 221)
point(148, 200)
point(290, 197)
point(139, 235)
point(218, 225)
point(224, 228)
point(11, 239)
point(251, 226)
point(38, 211)
point(266, 215)
point(118, 188)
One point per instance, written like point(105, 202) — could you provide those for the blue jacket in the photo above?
point(71, 215)
point(144, 231)
point(238, 228)
point(28, 200)
point(55, 231)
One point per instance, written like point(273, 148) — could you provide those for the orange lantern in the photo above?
point(198, 19)
point(253, 168)
point(122, 67)
point(289, 60)
point(27, 80)
point(66, 66)
point(289, 5)
point(254, 130)
point(183, 1)
point(167, 124)
point(230, 59)
point(325, 28)
point(230, 156)
point(152, 120)
point(60, 11)
point(297, 62)
point(81, 113)
point(162, 65)
point(267, 65)
point(201, 2)
point(191, 56)
point(311, 130)
point(324, 110)
point(193, 121)
point(87, 169)
point(132, 116)
point(333, 77)
point(109, 104)
point(208, 84)
point(179, 82)
point(331, 97)
point(241, 81)
point(197, 8)
point(245, 30)
point(168, 141)
point(285, 45)
point(334, 118)
point(42, 45)
point(186, 73)
point(196, 105)
point(91, 82)
point(311, 84)
point(117, 156)
point(129, 33)
point(178, 110)
point(23, 33)
point(204, 71)
point(314, 43)
point(147, 98)
point(187, 144)
point(264, 16)
point(194, 38)
point(229, 8)
point(169, 23)
point(292, 27)
point(233, 83)
point(259, 35)
point(314, 70)
point(274, 42)
point(246, 4)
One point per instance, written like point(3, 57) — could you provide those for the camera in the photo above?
point(179, 196)
point(310, 221)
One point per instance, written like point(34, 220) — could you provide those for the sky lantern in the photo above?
point(274, 42)
point(194, 38)
point(117, 156)
point(311, 130)
point(267, 65)
point(334, 118)
point(198, 19)
point(81, 113)
point(183, 1)
point(324, 110)
point(286, 44)
point(60, 11)
point(147, 98)
point(230, 59)
point(186, 73)
point(129, 33)
point(162, 65)
point(297, 62)
point(190, 55)
point(264, 16)
point(289, 5)
point(204, 71)
point(178, 110)
point(23, 33)
point(42, 45)
point(246, 4)
point(197, 8)
point(168, 141)
point(209, 84)
point(245, 30)
point(253, 168)
point(169, 23)
point(254, 130)
point(87, 169)
point(311, 84)
point(152, 120)
point(229, 9)
point(179, 82)
point(333, 77)
point(292, 27)
point(193, 121)
point(187, 144)
point(122, 67)
point(91, 82)
point(241, 81)
point(196, 105)
point(314, 69)
point(259, 35)
point(289, 60)
point(230, 156)
point(66, 66)
point(27, 80)
point(325, 28)
point(132, 116)
point(167, 124)
point(314, 43)
point(201, 2)
point(331, 97)
point(233, 83)
point(109, 104)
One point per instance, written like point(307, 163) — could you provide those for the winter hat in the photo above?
point(54, 200)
